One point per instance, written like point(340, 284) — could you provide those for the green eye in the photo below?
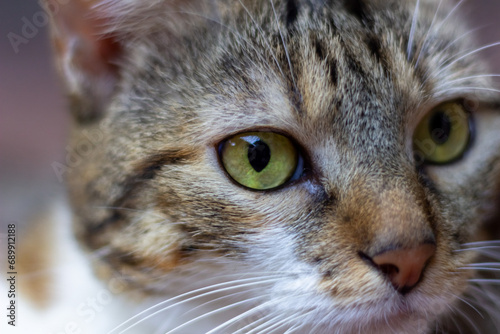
point(443, 135)
point(260, 160)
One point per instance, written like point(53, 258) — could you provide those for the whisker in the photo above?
point(449, 45)
point(284, 322)
point(465, 56)
point(482, 243)
point(246, 314)
point(293, 328)
point(237, 34)
point(451, 82)
point(451, 317)
point(491, 251)
point(224, 284)
point(284, 44)
point(470, 305)
point(330, 314)
point(452, 11)
point(485, 281)
point(412, 29)
point(467, 89)
point(263, 35)
point(480, 268)
point(174, 305)
point(232, 295)
point(387, 323)
point(485, 264)
point(272, 325)
point(488, 301)
point(253, 323)
point(266, 326)
point(428, 33)
point(468, 319)
point(214, 312)
point(243, 315)
point(471, 31)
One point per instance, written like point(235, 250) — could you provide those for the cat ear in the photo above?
point(87, 55)
point(91, 38)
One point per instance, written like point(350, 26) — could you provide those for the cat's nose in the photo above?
point(404, 267)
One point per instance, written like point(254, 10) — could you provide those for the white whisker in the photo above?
point(483, 243)
point(470, 305)
point(266, 325)
point(412, 29)
point(243, 315)
point(479, 268)
point(468, 319)
point(487, 301)
point(422, 49)
point(284, 44)
point(484, 264)
point(273, 325)
point(232, 295)
point(293, 328)
point(225, 288)
point(253, 323)
point(449, 45)
point(214, 312)
point(237, 34)
point(284, 322)
point(453, 309)
point(259, 28)
point(467, 89)
point(440, 71)
point(468, 78)
point(175, 305)
point(491, 251)
point(485, 281)
point(452, 11)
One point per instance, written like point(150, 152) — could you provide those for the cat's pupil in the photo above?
point(259, 155)
point(440, 127)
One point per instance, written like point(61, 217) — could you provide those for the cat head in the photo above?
point(347, 149)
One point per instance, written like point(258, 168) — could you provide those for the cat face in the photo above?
point(345, 151)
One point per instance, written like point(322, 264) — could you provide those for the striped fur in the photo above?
point(349, 81)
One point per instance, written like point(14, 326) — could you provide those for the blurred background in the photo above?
point(33, 120)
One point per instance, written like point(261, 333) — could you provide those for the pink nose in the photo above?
point(404, 267)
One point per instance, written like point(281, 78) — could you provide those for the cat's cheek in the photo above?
point(151, 246)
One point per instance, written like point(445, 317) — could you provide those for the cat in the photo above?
point(270, 166)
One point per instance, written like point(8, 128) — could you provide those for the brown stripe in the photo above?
point(319, 48)
point(333, 73)
point(376, 48)
point(354, 64)
point(292, 11)
point(357, 8)
point(96, 232)
point(331, 63)
point(148, 167)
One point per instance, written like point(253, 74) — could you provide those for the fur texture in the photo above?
point(348, 81)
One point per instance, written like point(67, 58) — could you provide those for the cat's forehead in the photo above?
point(353, 72)
point(318, 68)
